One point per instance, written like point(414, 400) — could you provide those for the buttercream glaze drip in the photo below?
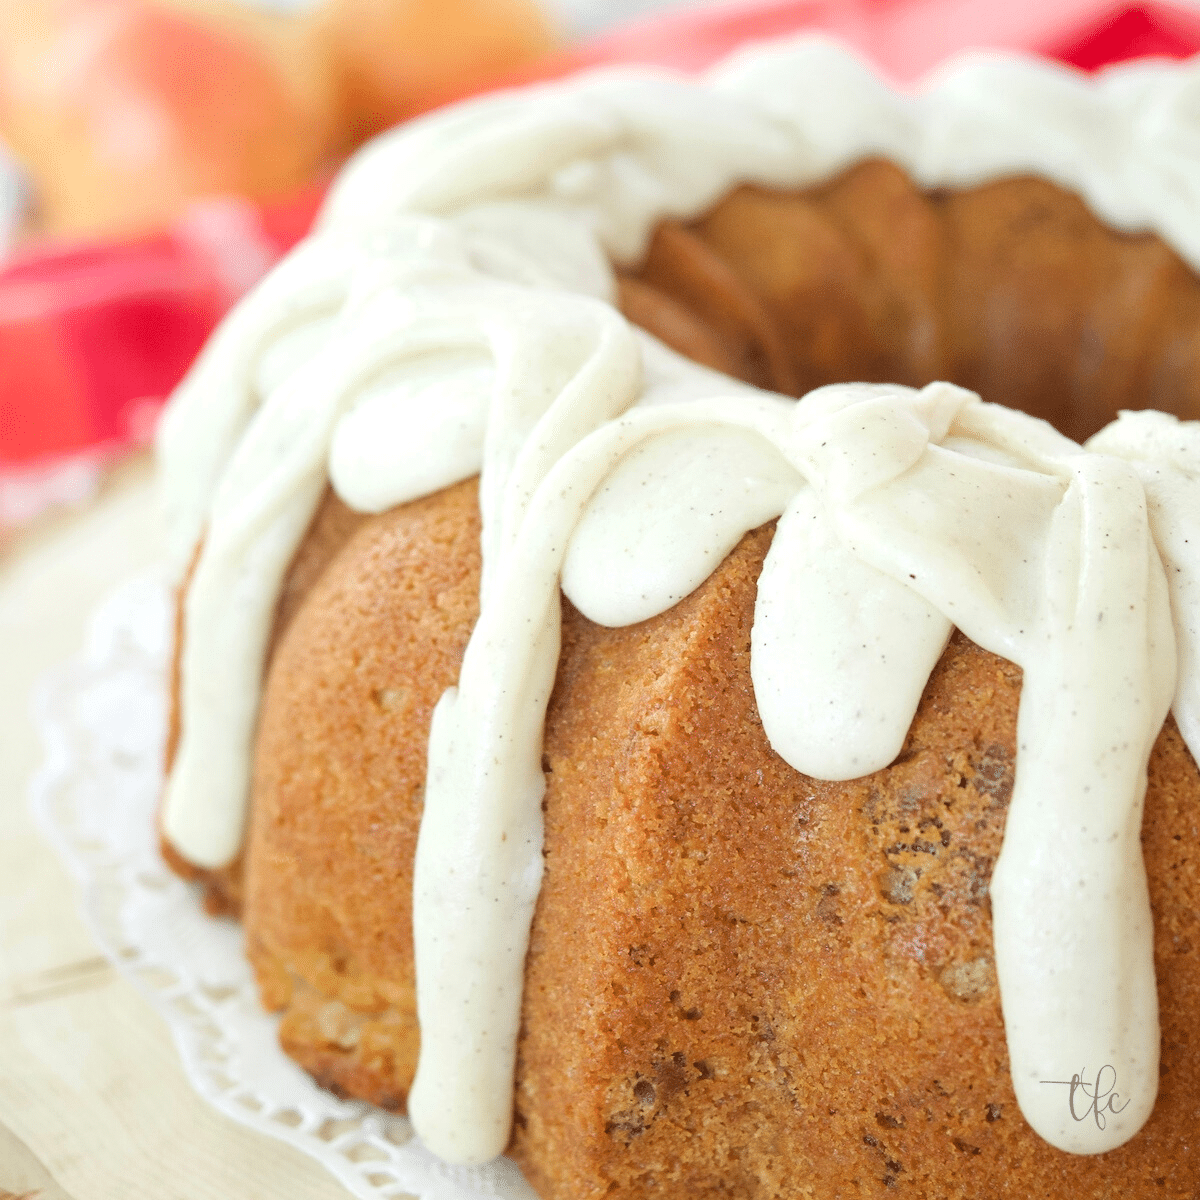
point(452, 315)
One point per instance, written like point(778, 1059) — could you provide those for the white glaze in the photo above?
point(459, 286)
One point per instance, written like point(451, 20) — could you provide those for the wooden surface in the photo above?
point(93, 1103)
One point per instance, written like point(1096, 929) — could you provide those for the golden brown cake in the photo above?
point(741, 980)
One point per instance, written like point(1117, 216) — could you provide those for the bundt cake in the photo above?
point(795, 847)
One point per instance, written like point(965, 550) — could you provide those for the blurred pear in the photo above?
point(121, 111)
point(397, 57)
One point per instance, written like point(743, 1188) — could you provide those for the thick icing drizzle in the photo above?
point(459, 288)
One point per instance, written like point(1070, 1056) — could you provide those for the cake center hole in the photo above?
point(1012, 289)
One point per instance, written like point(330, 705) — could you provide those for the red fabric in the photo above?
point(905, 38)
point(94, 336)
point(1154, 29)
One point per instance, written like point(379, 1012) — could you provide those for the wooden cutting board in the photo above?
point(93, 1102)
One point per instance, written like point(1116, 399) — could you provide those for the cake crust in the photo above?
point(730, 904)
point(789, 986)
point(339, 773)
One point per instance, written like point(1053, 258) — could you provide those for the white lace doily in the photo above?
point(102, 717)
